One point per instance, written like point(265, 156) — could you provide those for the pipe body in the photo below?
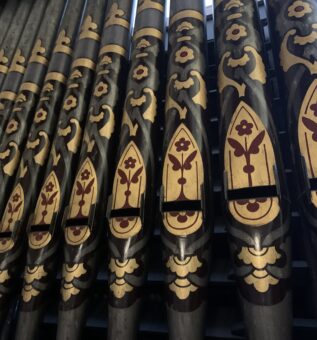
point(256, 202)
point(33, 161)
point(133, 199)
point(186, 195)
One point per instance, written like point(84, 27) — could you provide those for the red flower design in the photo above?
point(124, 221)
point(182, 144)
point(244, 128)
point(85, 175)
point(182, 216)
point(130, 163)
point(16, 198)
point(252, 205)
point(49, 187)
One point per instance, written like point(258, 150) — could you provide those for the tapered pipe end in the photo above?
point(28, 325)
point(71, 323)
point(268, 322)
point(123, 323)
point(187, 326)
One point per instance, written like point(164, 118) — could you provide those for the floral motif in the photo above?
point(244, 128)
point(16, 197)
point(138, 101)
point(106, 60)
point(12, 126)
point(253, 204)
point(298, 9)
point(85, 175)
point(236, 32)
point(40, 116)
point(181, 285)
point(125, 221)
point(120, 269)
point(49, 187)
point(260, 259)
point(182, 144)
point(184, 54)
point(184, 26)
point(130, 163)
point(182, 216)
point(101, 89)
point(70, 103)
point(143, 43)
point(140, 72)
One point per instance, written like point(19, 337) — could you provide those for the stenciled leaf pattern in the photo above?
point(176, 164)
point(124, 178)
point(238, 148)
point(187, 164)
point(254, 147)
point(89, 186)
point(80, 189)
point(135, 177)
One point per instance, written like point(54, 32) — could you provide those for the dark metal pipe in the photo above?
point(186, 196)
point(33, 161)
point(133, 201)
point(256, 202)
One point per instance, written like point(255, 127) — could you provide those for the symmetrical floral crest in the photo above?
point(47, 205)
point(120, 287)
point(12, 214)
point(307, 133)
point(84, 196)
point(128, 188)
point(183, 176)
point(31, 275)
point(71, 272)
point(181, 285)
point(260, 260)
point(249, 162)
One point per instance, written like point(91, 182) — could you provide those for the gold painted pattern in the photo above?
point(307, 133)
point(149, 31)
point(182, 286)
point(32, 274)
point(113, 48)
point(183, 177)
point(249, 162)
point(186, 14)
point(260, 259)
point(115, 17)
point(70, 273)
point(84, 62)
point(120, 287)
point(88, 28)
point(63, 44)
point(83, 197)
point(128, 188)
point(38, 52)
point(12, 214)
point(17, 62)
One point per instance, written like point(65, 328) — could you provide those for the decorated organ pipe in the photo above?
point(186, 197)
point(15, 73)
point(15, 135)
point(10, 41)
point(12, 145)
point(133, 200)
point(294, 34)
point(45, 224)
point(256, 203)
point(38, 280)
point(85, 217)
